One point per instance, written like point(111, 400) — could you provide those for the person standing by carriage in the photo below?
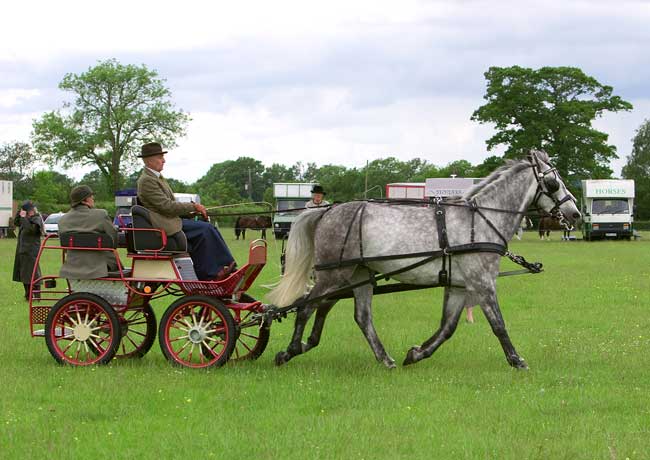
point(317, 197)
point(30, 229)
point(210, 254)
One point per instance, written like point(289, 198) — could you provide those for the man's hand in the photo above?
point(201, 209)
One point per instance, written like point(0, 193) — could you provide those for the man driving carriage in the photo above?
point(210, 254)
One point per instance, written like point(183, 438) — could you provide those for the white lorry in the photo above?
point(6, 203)
point(607, 209)
point(289, 196)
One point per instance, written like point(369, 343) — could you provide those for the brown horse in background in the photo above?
point(548, 223)
point(253, 223)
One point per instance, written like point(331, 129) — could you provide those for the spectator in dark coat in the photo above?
point(30, 228)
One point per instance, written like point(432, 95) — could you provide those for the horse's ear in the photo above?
point(542, 155)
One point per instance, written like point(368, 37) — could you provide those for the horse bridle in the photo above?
point(548, 186)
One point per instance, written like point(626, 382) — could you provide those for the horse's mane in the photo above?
point(502, 173)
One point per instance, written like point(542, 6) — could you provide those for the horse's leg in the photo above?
point(363, 317)
point(490, 306)
point(243, 233)
point(263, 233)
point(317, 329)
point(451, 311)
point(296, 346)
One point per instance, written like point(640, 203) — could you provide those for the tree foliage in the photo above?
point(115, 109)
point(551, 108)
point(16, 164)
point(638, 168)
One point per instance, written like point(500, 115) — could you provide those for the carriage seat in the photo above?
point(146, 241)
point(94, 240)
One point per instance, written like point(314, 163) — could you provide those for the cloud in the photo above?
point(331, 82)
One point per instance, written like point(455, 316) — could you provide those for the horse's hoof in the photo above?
point(282, 358)
point(519, 363)
point(412, 356)
point(390, 363)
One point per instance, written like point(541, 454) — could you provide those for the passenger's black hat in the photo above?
point(27, 205)
point(151, 149)
point(318, 189)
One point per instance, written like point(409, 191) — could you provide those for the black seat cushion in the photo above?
point(86, 240)
point(142, 240)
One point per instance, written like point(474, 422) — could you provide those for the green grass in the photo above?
point(582, 326)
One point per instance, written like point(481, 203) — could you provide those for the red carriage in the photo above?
point(92, 321)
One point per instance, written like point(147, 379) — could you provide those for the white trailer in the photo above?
point(6, 205)
point(434, 187)
point(607, 209)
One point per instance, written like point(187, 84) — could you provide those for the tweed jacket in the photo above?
point(156, 195)
point(86, 265)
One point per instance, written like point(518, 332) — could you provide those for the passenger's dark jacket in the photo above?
point(27, 246)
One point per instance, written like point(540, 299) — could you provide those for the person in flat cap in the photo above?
point(317, 195)
point(83, 217)
point(209, 252)
point(30, 229)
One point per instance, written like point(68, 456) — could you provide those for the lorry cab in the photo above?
point(290, 198)
point(607, 209)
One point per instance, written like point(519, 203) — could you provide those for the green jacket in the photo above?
point(156, 195)
point(85, 265)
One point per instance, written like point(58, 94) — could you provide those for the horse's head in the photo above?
point(552, 195)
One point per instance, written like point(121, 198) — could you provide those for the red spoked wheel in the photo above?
point(197, 331)
point(82, 329)
point(252, 339)
point(139, 329)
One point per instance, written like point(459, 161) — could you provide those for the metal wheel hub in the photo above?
point(82, 332)
point(197, 334)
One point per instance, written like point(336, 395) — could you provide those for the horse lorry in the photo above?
point(607, 209)
point(290, 198)
point(6, 206)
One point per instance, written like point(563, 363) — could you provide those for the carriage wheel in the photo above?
point(82, 329)
point(197, 331)
point(251, 340)
point(138, 332)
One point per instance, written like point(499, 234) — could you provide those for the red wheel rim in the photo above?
point(247, 340)
point(196, 334)
point(81, 333)
point(135, 332)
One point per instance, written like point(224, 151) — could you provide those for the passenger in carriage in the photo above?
point(83, 217)
point(210, 254)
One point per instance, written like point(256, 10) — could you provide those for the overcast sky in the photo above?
point(338, 82)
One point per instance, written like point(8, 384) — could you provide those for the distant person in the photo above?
point(83, 217)
point(209, 252)
point(30, 229)
point(317, 197)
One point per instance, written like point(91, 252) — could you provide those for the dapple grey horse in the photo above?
point(323, 236)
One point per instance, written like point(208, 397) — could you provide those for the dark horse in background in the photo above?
point(253, 223)
point(548, 223)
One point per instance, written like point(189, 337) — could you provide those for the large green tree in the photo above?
point(115, 109)
point(16, 164)
point(243, 175)
point(638, 168)
point(551, 108)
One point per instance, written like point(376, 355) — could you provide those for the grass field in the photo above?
point(583, 327)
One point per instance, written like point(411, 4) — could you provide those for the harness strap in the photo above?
point(460, 249)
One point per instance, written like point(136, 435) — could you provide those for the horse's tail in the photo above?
point(299, 259)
